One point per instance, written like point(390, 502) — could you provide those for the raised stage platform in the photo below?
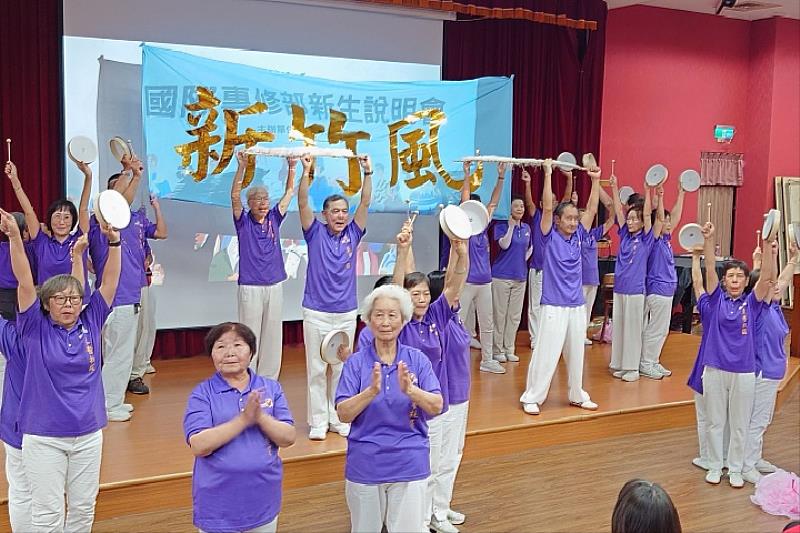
point(147, 460)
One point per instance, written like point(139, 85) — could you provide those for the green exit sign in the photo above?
point(723, 133)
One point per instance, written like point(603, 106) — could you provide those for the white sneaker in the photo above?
point(713, 477)
point(492, 367)
point(119, 416)
point(455, 518)
point(589, 405)
point(499, 357)
point(699, 462)
point(630, 376)
point(649, 372)
point(765, 467)
point(318, 433)
point(341, 428)
point(443, 526)
point(150, 369)
point(511, 358)
point(618, 373)
point(531, 408)
point(587, 342)
point(127, 407)
point(736, 480)
point(665, 371)
point(474, 343)
point(752, 476)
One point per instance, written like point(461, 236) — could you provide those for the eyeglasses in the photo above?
point(61, 300)
point(260, 199)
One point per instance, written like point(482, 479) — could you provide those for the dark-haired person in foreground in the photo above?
point(235, 422)
point(329, 300)
point(724, 371)
point(644, 507)
point(562, 316)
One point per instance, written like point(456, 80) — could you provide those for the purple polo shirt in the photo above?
point(771, 331)
point(511, 263)
point(238, 486)
point(7, 278)
point(457, 360)
point(729, 332)
point(536, 261)
point(388, 440)
point(132, 276)
point(13, 381)
point(591, 272)
point(562, 275)
point(661, 277)
point(63, 391)
point(331, 274)
point(52, 258)
point(480, 272)
point(260, 256)
point(631, 265)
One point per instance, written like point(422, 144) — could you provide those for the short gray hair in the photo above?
point(56, 284)
point(255, 189)
point(395, 292)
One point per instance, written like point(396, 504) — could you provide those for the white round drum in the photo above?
point(656, 175)
point(567, 157)
point(82, 150)
point(589, 161)
point(691, 237)
point(119, 148)
point(112, 208)
point(478, 215)
point(455, 223)
point(690, 180)
point(772, 223)
point(625, 192)
point(329, 349)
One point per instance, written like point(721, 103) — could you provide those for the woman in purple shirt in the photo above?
point(62, 409)
point(724, 372)
point(636, 239)
point(387, 391)
point(8, 283)
point(235, 421)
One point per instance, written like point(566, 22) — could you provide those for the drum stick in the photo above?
point(612, 166)
point(413, 217)
point(8, 147)
point(758, 238)
point(708, 205)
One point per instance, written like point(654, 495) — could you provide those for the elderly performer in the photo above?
point(562, 314)
point(61, 410)
point(387, 391)
point(330, 300)
point(235, 422)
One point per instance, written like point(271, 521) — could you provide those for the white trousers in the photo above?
point(119, 342)
point(454, 429)
point(534, 303)
point(270, 527)
point(626, 331)
point(261, 309)
point(55, 466)
point(565, 329)
point(145, 334)
point(19, 491)
point(589, 294)
point(321, 388)
point(728, 398)
point(657, 314)
point(765, 394)
point(400, 506)
point(435, 440)
point(507, 298)
point(479, 297)
point(702, 430)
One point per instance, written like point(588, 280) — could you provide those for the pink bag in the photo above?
point(604, 333)
point(779, 494)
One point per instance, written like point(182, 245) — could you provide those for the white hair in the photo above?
point(252, 191)
point(395, 292)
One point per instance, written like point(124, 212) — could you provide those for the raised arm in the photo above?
point(697, 275)
point(456, 275)
point(609, 205)
point(658, 226)
point(594, 197)
point(86, 191)
point(764, 287)
point(136, 167)
point(570, 185)
point(647, 211)
point(288, 192)
point(498, 189)
point(530, 205)
point(236, 185)
point(306, 213)
point(619, 211)
point(786, 275)
point(547, 197)
point(677, 210)
point(31, 220)
point(709, 250)
point(76, 255)
point(360, 217)
point(161, 223)
point(108, 288)
point(26, 290)
point(404, 239)
point(465, 185)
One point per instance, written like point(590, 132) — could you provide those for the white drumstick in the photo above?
point(413, 217)
point(758, 238)
point(8, 146)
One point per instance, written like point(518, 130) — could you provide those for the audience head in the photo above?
point(644, 507)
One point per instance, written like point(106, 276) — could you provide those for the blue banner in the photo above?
point(197, 112)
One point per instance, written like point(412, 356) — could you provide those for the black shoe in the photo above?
point(137, 386)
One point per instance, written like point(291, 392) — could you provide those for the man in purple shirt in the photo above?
point(119, 332)
point(562, 315)
point(261, 268)
point(330, 297)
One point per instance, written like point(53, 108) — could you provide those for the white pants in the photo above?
point(479, 297)
point(507, 298)
point(657, 314)
point(702, 430)
point(321, 389)
point(270, 527)
point(766, 391)
point(401, 506)
point(626, 337)
point(454, 429)
point(534, 303)
point(119, 341)
point(56, 465)
point(146, 333)
point(589, 294)
point(728, 398)
point(261, 309)
point(565, 329)
point(435, 439)
point(19, 491)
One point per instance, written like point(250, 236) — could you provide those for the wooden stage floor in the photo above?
point(150, 448)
